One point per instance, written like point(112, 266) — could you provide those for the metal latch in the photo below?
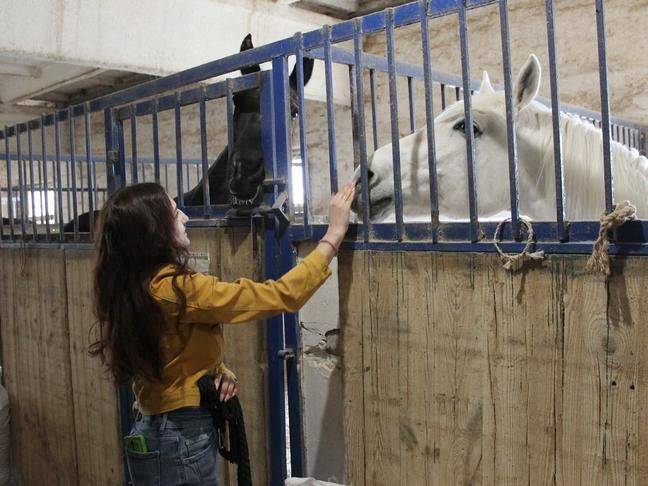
point(286, 354)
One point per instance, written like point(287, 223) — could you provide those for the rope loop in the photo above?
point(515, 262)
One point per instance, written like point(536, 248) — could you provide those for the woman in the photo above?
point(160, 325)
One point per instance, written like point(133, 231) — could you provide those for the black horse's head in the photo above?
point(246, 170)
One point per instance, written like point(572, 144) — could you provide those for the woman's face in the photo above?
point(180, 230)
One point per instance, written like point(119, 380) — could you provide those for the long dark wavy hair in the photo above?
point(135, 238)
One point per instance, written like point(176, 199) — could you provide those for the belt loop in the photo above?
point(163, 423)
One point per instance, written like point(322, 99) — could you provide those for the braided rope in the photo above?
point(599, 260)
point(515, 262)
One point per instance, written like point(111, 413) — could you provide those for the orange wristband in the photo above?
point(324, 240)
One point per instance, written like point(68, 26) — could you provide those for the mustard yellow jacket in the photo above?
point(195, 346)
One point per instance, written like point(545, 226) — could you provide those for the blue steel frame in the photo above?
point(283, 338)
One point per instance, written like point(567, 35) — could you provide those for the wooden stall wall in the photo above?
point(457, 372)
point(65, 419)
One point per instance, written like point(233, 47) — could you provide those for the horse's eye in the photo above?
point(460, 126)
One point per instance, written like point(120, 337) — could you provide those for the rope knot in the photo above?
point(599, 261)
point(515, 262)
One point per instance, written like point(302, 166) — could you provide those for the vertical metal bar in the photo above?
point(374, 115)
point(229, 99)
point(510, 119)
point(561, 232)
point(429, 118)
point(330, 112)
point(443, 98)
point(457, 97)
point(470, 146)
point(410, 98)
point(178, 141)
point(21, 183)
point(91, 169)
point(359, 120)
point(59, 183)
point(68, 191)
point(12, 232)
point(75, 214)
point(624, 130)
point(616, 130)
point(605, 107)
point(166, 176)
point(81, 188)
point(203, 151)
point(133, 127)
point(112, 150)
point(275, 335)
point(156, 143)
point(395, 135)
point(30, 147)
point(303, 148)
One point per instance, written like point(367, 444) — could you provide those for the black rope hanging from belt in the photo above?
point(228, 417)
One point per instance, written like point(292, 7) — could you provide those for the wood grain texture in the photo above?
point(457, 372)
point(96, 413)
point(37, 359)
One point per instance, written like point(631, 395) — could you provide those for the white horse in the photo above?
point(582, 161)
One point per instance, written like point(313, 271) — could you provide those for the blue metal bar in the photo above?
point(156, 143)
point(555, 113)
point(429, 118)
point(605, 107)
point(283, 143)
point(69, 191)
point(470, 145)
point(395, 133)
point(330, 112)
point(21, 186)
point(358, 110)
point(112, 148)
point(30, 147)
point(81, 188)
point(203, 152)
point(91, 169)
point(303, 147)
point(12, 232)
point(230, 119)
point(276, 105)
point(1, 213)
point(72, 165)
point(410, 98)
point(293, 342)
point(510, 118)
point(178, 141)
point(374, 116)
point(59, 184)
point(133, 127)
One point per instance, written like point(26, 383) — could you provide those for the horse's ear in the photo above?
point(308, 72)
point(527, 83)
point(246, 45)
point(486, 86)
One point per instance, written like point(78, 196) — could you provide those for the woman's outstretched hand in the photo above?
point(339, 211)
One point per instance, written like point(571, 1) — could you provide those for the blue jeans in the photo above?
point(182, 449)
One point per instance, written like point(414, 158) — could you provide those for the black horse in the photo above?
point(235, 180)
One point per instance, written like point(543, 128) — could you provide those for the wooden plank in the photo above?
point(584, 384)
point(459, 369)
point(96, 412)
point(231, 257)
point(416, 335)
point(354, 316)
point(626, 454)
point(381, 382)
point(39, 375)
point(524, 334)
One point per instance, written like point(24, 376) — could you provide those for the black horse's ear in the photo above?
point(246, 45)
point(308, 72)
